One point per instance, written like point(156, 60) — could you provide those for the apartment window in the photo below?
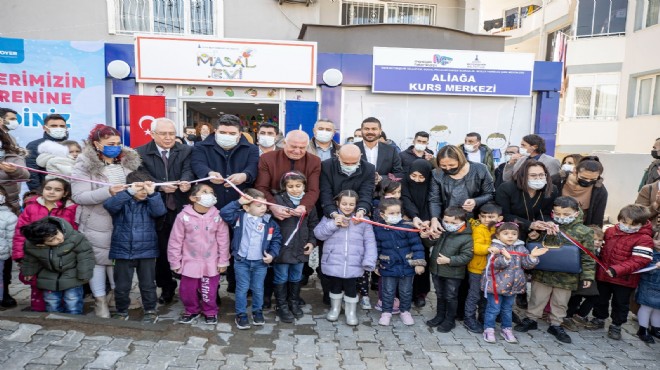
point(648, 95)
point(601, 17)
point(196, 17)
point(593, 97)
point(652, 10)
point(363, 12)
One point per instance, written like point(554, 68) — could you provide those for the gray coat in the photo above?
point(348, 251)
point(92, 219)
point(551, 163)
point(7, 225)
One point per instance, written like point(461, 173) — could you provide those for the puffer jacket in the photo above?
point(478, 183)
point(625, 253)
point(134, 225)
point(347, 251)
point(482, 237)
point(10, 181)
point(54, 157)
point(7, 226)
point(648, 291)
point(93, 220)
point(564, 280)
point(199, 243)
point(294, 252)
point(458, 247)
point(509, 276)
point(35, 210)
point(399, 252)
point(65, 266)
point(234, 215)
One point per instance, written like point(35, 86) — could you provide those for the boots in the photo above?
point(439, 314)
point(350, 310)
point(282, 307)
point(645, 335)
point(110, 298)
point(654, 331)
point(101, 309)
point(335, 306)
point(293, 298)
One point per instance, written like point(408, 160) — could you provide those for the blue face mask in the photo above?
point(296, 200)
point(111, 151)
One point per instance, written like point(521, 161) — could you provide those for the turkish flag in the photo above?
point(143, 110)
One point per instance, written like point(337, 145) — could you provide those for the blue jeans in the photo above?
point(249, 275)
point(72, 299)
point(287, 272)
point(505, 308)
point(390, 284)
point(473, 300)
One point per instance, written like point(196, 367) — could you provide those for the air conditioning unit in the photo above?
point(306, 2)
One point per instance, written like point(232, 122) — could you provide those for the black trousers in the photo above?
point(164, 277)
point(422, 283)
point(338, 285)
point(581, 305)
point(6, 274)
point(620, 297)
point(463, 291)
point(446, 290)
point(146, 272)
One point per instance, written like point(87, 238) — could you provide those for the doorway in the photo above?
point(251, 114)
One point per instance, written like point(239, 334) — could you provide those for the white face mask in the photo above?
point(507, 157)
point(524, 152)
point(393, 219)
point(57, 132)
point(226, 141)
point(2, 199)
point(11, 125)
point(357, 139)
point(420, 147)
point(536, 184)
point(470, 148)
point(266, 141)
point(207, 200)
point(324, 136)
point(567, 167)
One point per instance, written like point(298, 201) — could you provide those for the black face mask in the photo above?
point(586, 183)
point(655, 154)
point(451, 171)
point(191, 137)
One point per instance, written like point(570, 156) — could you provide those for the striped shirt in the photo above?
point(115, 174)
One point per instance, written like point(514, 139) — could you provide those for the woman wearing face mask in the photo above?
point(586, 186)
point(531, 147)
point(103, 159)
point(567, 166)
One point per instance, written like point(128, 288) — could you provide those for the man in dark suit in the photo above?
point(166, 160)
point(384, 157)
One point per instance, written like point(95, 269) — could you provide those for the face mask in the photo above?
point(190, 137)
point(357, 139)
point(524, 152)
point(266, 141)
point(469, 148)
point(452, 228)
point(226, 141)
point(629, 229)
point(451, 171)
point(2, 199)
point(564, 220)
point(348, 169)
point(654, 153)
point(111, 151)
point(536, 184)
point(57, 132)
point(207, 200)
point(324, 136)
point(11, 125)
point(420, 147)
point(296, 200)
point(586, 183)
point(507, 157)
point(567, 167)
point(393, 219)
point(203, 136)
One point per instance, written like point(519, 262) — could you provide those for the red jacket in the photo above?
point(34, 211)
point(626, 253)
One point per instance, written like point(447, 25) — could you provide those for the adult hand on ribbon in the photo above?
point(236, 179)
point(216, 178)
point(8, 167)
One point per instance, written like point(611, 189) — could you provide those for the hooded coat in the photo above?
point(509, 275)
point(625, 253)
point(347, 251)
point(7, 226)
point(36, 179)
point(458, 247)
point(54, 157)
point(399, 252)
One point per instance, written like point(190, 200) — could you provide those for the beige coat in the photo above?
point(11, 182)
point(648, 197)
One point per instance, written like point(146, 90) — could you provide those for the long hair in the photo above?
point(451, 151)
point(8, 144)
point(65, 185)
point(521, 177)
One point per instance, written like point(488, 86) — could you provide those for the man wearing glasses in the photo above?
point(166, 160)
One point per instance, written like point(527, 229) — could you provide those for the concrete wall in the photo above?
point(266, 19)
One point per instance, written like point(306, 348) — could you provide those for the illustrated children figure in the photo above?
point(298, 242)
point(400, 257)
point(198, 250)
point(8, 221)
point(497, 143)
point(61, 260)
point(54, 201)
point(449, 257)
point(257, 241)
point(134, 245)
point(439, 137)
point(556, 287)
point(508, 257)
point(349, 250)
point(628, 248)
point(648, 296)
point(483, 229)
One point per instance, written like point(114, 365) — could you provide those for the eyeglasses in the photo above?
point(165, 134)
point(536, 176)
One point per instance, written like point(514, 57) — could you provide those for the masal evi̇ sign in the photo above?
point(226, 62)
point(451, 72)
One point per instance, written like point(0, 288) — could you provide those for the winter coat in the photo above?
point(134, 225)
point(458, 247)
point(625, 253)
point(648, 197)
point(519, 208)
point(651, 174)
point(648, 291)
point(199, 243)
point(93, 220)
point(294, 252)
point(7, 226)
point(333, 181)
point(486, 157)
point(234, 215)
point(399, 252)
point(563, 280)
point(596, 212)
point(478, 182)
point(347, 251)
point(408, 156)
point(62, 267)
point(552, 164)
point(482, 237)
point(54, 157)
point(311, 147)
point(36, 210)
point(509, 276)
point(36, 179)
point(11, 181)
point(208, 156)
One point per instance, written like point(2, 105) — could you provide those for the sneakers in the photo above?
point(489, 335)
point(508, 336)
point(120, 316)
point(187, 318)
point(614, 332)
point(379, 306)
point(211, 320)
point(395, 306)
point(258, 318)
point(242, 322)
point(569, 324)
point(407, 318)
point(385, 319)
point(584, 322)
point(150, 317)
point(472, 326)
point(559, 333)
point(364, 303)
point(598, 323)
point(525, 325)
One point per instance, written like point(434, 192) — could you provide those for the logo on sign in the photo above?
point(225, 64)
point(440, 59)
point(12, 51)
point(476, 63)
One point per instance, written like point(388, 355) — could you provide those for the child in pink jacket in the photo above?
point(198, 249)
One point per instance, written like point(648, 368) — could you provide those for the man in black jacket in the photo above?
point(418, 150)
point(55, 129)
point(384, 157)
point(166, 160)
